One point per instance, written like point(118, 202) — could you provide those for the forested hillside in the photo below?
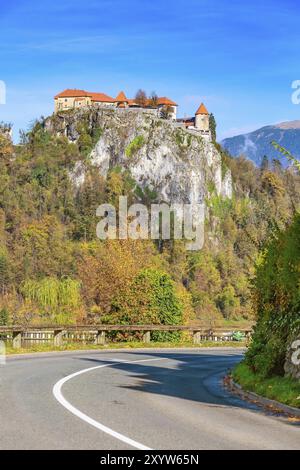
point(255, 145)
point(54, 269)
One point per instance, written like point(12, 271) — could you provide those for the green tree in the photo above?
point(227, 301)
point(56, 298)
point(3, 316)
point(277, 301)
point(213, 127)
point(150, 299)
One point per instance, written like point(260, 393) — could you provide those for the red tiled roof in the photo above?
point(121, 98)
point(202, 109)
point(102, 97)
point(166, 101)
point(132, 102)
point(69, 93)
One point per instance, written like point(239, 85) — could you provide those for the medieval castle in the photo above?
point(163, 106)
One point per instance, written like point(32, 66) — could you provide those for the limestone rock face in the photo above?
point(226, 185)
point(178, 165)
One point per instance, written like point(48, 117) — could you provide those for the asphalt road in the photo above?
point(132, 400)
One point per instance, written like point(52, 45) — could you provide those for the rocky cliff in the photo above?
point(177, 165)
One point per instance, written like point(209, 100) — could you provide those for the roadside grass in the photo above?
point(122, 345)
point(283, 389)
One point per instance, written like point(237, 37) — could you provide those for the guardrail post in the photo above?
point(197, 337)
point(17, 339)
point(58, 337)
point(100, 338)
point(147, 337)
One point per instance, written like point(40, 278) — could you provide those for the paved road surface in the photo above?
point(158, 399)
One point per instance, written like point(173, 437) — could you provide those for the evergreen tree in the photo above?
point(3, 316)
point(213, 127)
point(264, 166)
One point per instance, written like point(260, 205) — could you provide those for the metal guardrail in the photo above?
point(23, 336)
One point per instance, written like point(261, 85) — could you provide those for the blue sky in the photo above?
point(239, 57)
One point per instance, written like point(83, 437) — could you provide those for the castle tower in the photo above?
point(202, 119)
point(121, 100)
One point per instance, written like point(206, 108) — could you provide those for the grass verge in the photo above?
point(283, 389)
point(122, 345)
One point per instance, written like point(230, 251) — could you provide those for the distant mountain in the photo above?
point(256, 144)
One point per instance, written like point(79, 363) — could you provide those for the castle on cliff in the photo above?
point(163, 106)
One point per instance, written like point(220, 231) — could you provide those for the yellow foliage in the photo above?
point(107, 267)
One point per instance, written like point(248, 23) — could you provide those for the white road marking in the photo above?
point(66, 404)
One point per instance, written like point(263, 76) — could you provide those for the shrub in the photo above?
point(85, 144)
point(151, 298)
point(134, 146)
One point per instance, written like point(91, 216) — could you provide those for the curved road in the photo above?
point(157, 399)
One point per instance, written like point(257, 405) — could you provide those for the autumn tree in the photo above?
point(107, 267)
point(141, 98)
point(153, 99)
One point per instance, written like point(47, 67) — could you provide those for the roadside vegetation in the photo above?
point(283, 389)
point(124, 345)
point(276, 302)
